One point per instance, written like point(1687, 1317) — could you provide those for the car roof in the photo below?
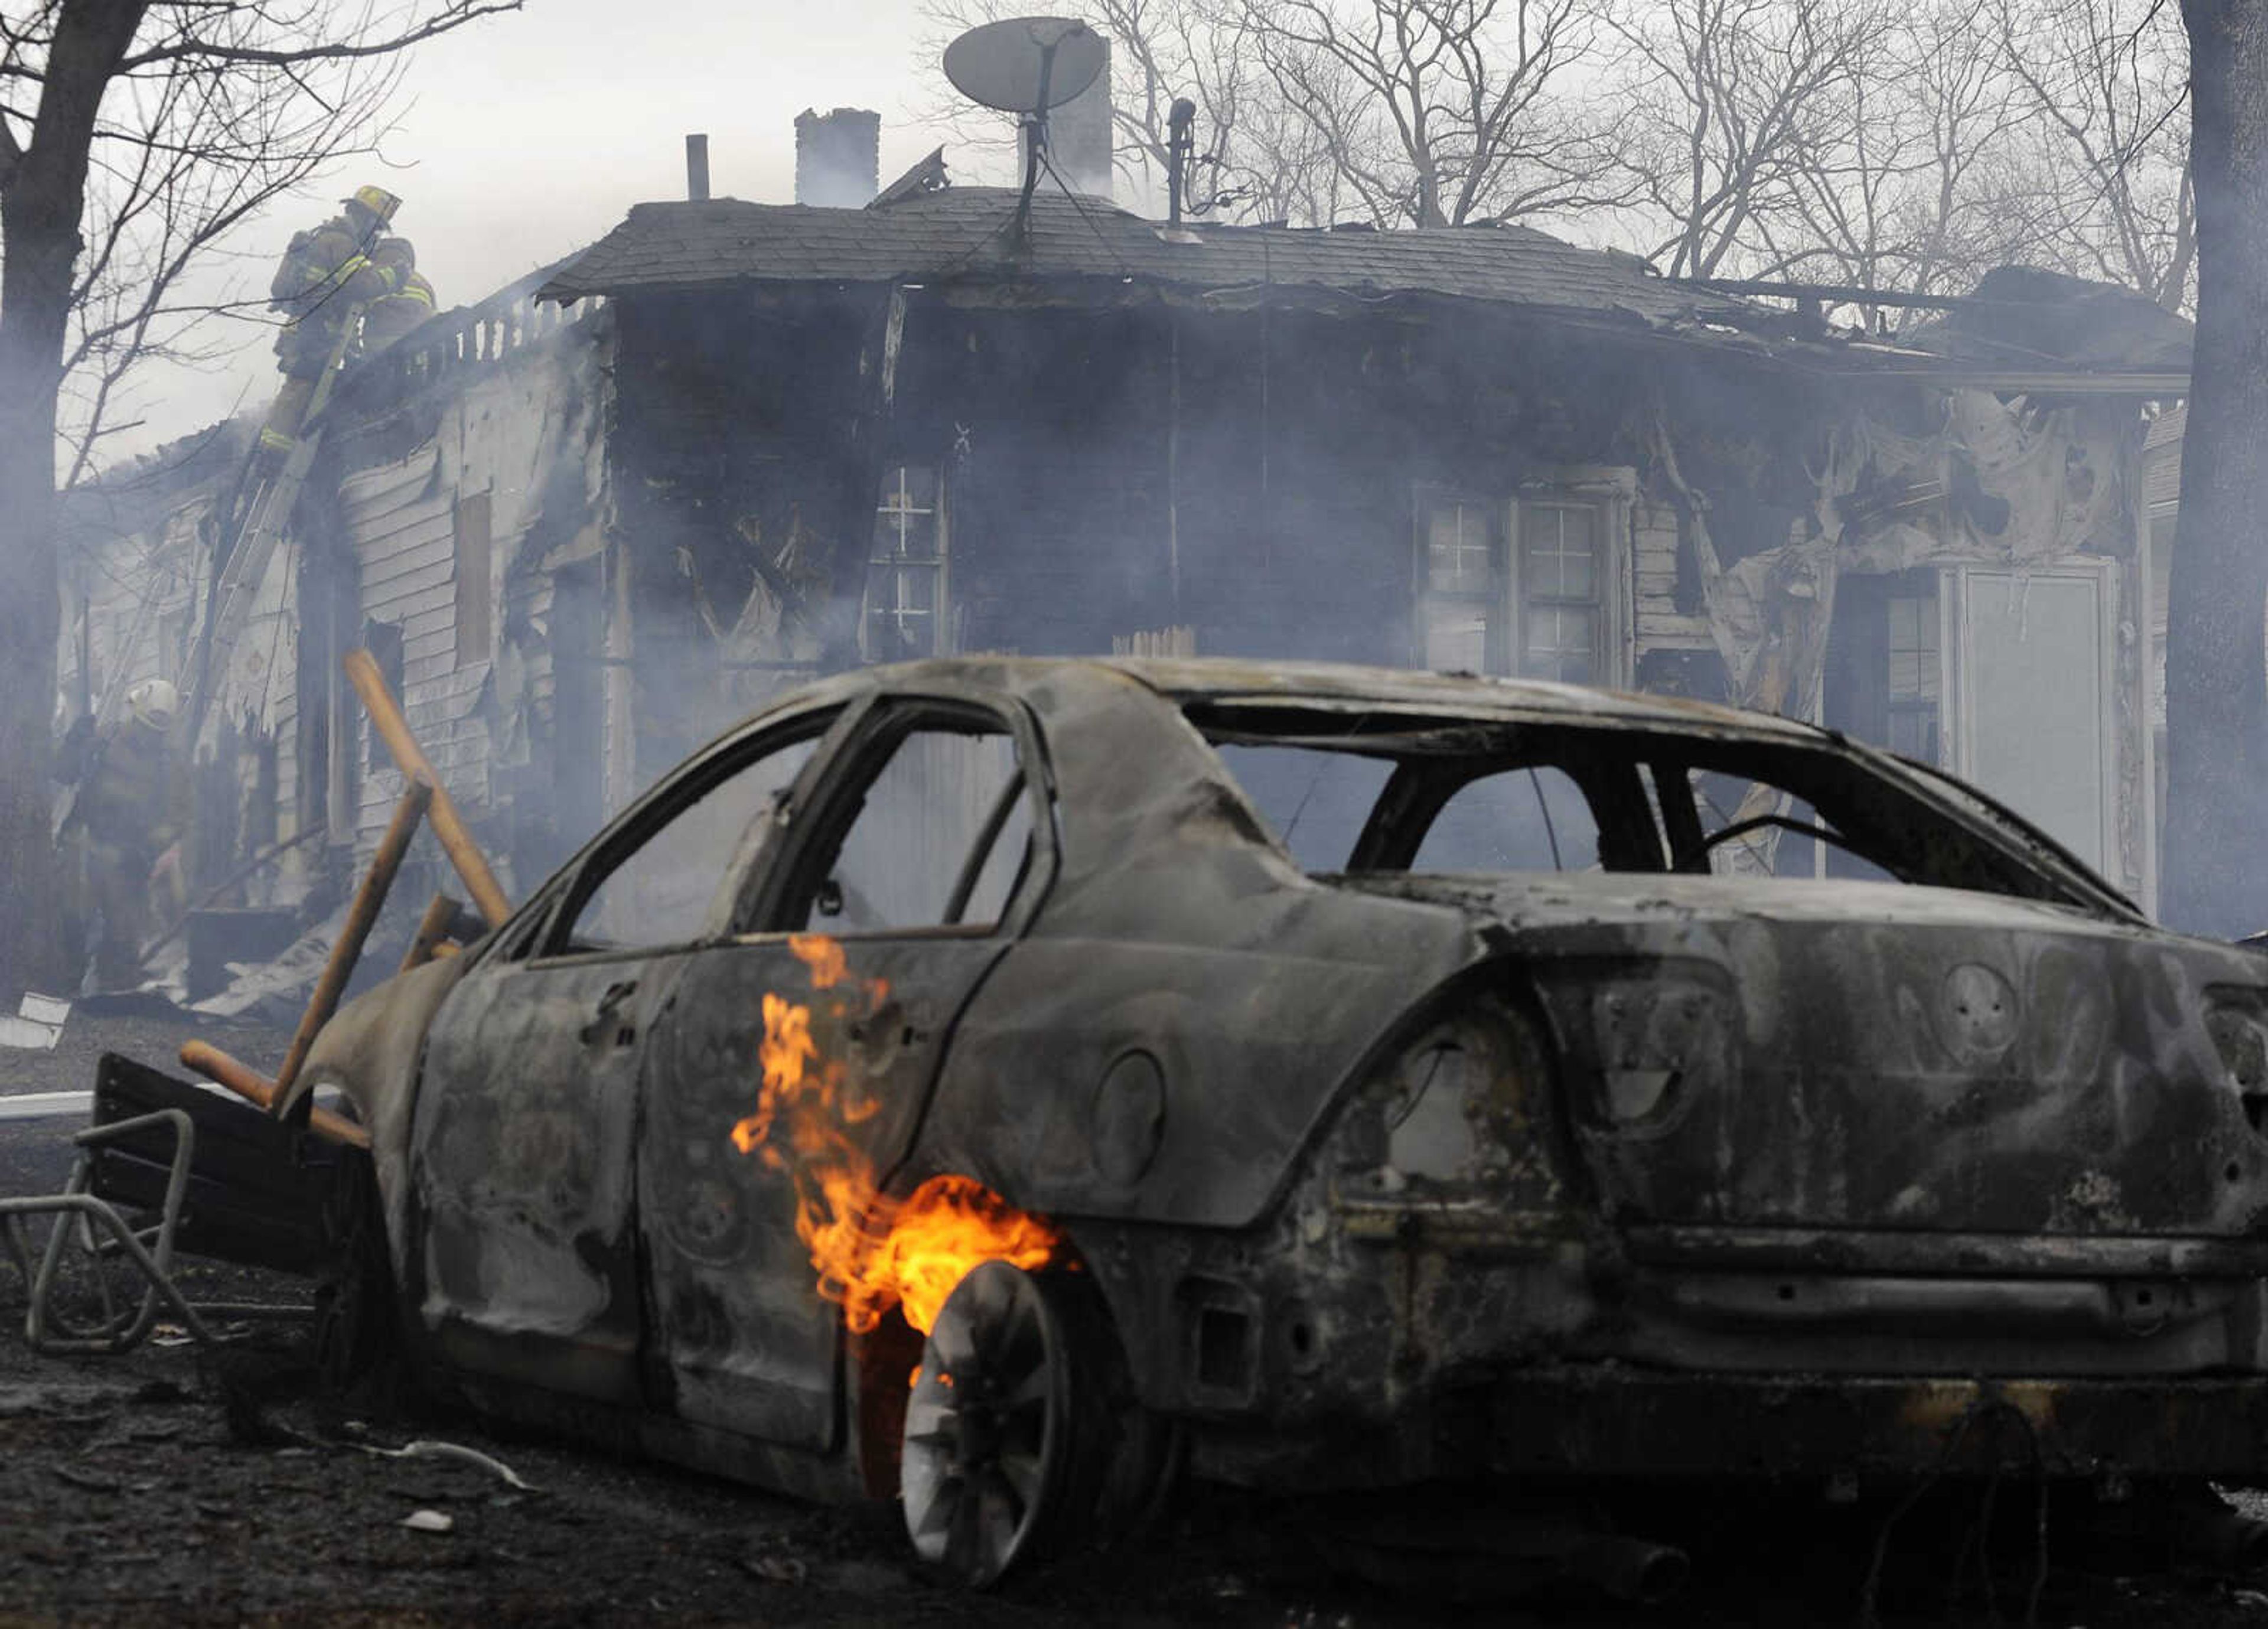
point(1190, 679)
point(1195, 679)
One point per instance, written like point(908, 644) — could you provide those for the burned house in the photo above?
point(946, 424)
point(730, 446)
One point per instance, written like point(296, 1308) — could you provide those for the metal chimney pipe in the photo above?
point(696, 168)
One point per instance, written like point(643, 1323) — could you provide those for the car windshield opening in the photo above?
point(1353, 791)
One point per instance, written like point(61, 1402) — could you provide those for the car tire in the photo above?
point(357, 1348)
point(1010, 1432)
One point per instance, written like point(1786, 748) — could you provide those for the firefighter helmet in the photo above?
point(155, 703)
point(377, 201)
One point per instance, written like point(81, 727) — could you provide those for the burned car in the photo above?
point(1006, 1083)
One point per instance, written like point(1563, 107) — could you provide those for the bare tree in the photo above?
point(183, 163)
point(1960, 214)
point(1438, 113)
point(2105, 84)
point(177, 118)
point(1732, 106)
point(1901, 176)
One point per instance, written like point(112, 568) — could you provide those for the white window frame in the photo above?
point(940, 614)
point(1611, 491)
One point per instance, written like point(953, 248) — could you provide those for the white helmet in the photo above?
point(155, 703)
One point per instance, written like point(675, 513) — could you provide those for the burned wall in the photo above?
point(457, 504)
point(745, 461)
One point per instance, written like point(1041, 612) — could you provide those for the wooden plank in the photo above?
point(381, 572)
point(393, 535)
point(377, 485)
point(412, 582)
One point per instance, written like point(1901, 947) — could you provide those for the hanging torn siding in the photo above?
point(2008, 538)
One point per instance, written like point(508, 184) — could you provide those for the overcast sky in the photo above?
point(524, 137)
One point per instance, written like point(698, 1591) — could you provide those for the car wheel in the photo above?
point(1007, 1429)
point(356, 1339)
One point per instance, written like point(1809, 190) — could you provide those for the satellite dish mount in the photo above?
point(1027, 66)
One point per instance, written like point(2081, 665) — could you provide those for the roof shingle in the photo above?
point(967, 233)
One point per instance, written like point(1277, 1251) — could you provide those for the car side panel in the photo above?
point(1176, 1082)
point(520, 1170)
point(744, 1340)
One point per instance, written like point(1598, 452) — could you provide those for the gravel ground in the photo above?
point(153, 1039)
point(178, 1485)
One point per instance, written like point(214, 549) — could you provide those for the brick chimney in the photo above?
point(838, 158)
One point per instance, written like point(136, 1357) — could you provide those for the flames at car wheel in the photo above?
point(1005, 1445)
point(869, 1251)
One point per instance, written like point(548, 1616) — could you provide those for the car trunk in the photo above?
point(1775, 1054)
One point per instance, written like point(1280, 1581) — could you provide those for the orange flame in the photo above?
point(822, 955)
point(870, 1252)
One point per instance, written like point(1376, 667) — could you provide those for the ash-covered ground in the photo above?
point(182, 1485)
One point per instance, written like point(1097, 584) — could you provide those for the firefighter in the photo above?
point(392, 315)
point(122, 840)
point(325, 279)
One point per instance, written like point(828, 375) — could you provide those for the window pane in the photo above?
point(1316, 802)
point(1913, 648)
point(674, 888)
point(904, 535)
point(901, 613)
point(917, 486)
point(1456, 637)
point(1562, 643)
point(905, 571)
point(1520, 819)
point(1457, 548)
point(1558, 553)
point(916, 830)
point(1913, 732)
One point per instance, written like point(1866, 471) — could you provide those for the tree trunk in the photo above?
point(42, 195)
point(2216, 871)
point(29, 614)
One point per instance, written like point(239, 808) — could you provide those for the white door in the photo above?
point(2033, 675)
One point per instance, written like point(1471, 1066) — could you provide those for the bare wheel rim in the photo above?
point(985, 1425)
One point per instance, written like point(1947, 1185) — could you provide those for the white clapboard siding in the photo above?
point(497, 438)
point(401, 522)
point(1662, 626)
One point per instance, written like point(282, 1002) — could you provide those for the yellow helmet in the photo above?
point(377, 200)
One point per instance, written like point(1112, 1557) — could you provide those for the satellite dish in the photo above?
point(1006, 64)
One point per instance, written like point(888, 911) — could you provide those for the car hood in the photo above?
point(1792, 1053)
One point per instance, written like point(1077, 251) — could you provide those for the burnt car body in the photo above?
point(1431, 1077)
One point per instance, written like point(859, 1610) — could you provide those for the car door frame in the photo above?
point(533, 944)
point(785, 1380)
point(765, 902)
point(629, 831)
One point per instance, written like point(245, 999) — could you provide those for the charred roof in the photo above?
point(1083, 252)
point(968, 234)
